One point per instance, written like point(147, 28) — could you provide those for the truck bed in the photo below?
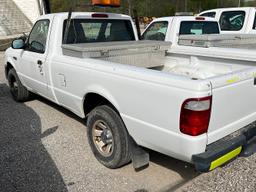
point(154, 55)
point(201, 67)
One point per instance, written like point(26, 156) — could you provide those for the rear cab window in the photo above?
point(198, 27)
point(209, 14)
point(156, 31)
point(232, 20)
point(98, 30)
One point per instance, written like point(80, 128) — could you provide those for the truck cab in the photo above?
point(236, 20)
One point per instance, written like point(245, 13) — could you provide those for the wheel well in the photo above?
point(7, 68)
point(93, 100)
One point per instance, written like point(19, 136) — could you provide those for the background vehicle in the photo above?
point(201, 32)
point(170, 28)
point(136, 93)
point(234, 20)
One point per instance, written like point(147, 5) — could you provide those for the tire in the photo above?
point(105, 128)
point(18, 91)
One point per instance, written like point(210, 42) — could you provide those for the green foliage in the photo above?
point(59, 5)
point(156, 8)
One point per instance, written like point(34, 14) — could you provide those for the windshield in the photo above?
point(199, 27)
point(98, 30)
point(209, 14)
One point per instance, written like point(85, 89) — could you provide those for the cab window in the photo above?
point(198, 27)
point(209, 14)
point(38, 37)
point(98, 30)
point(156, 31)
point(232, 20)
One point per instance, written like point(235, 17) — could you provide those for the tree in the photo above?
point(156, 8)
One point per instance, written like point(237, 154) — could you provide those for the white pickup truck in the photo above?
point(235, 20)
point(134, 93)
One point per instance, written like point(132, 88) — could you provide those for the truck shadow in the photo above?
point(186, 170)
point(25, 164)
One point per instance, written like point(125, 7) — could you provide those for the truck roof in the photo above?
point(184, 18)
point(229, 9)
point(86, 15)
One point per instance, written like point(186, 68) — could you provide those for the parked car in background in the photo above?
point(234, 20)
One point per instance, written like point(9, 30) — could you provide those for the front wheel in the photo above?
point(108, 137)
point(18, 91)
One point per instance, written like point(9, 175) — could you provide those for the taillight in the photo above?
point(195, 116)
point(200, 18)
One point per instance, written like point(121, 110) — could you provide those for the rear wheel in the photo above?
point(18, 91)
point(108, 137)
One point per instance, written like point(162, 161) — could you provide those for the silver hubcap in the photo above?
point(103, 138)
point(15, 85)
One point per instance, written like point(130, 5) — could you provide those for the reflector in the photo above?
point(110, 3)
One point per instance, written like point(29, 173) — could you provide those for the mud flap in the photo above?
point(140, 158)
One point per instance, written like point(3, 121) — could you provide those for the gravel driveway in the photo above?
point(44, 148)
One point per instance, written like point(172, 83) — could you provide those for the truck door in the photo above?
point(33, 59)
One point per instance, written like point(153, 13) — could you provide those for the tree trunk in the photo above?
point(130, 7)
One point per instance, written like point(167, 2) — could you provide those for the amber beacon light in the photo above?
point(110, 3)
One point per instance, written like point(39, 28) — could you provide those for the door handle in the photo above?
point(40, 67)
point(39, 62)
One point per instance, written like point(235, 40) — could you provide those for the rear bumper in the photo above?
point(223, 150)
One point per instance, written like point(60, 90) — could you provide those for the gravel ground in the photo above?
point(44, 148)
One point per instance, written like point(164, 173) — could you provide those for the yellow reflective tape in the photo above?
point(220, 161)
point(233, 80)
point(254, 74)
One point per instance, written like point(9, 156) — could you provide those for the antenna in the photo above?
point(68, 21)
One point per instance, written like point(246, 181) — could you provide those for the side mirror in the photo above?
point(18, 44)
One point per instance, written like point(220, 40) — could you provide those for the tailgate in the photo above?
point(233, 103)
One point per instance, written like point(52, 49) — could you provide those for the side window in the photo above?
point(209, 14)
point(254, 24)
point(38, 36)
point(232, 20)
point(156, 31)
